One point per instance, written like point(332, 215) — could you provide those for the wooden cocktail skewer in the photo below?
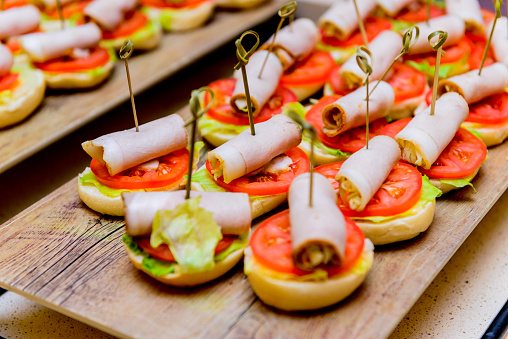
point(60, 13)
point(361, 26)
point(438, 47)
point(497, 4)
point(2, 5)
point(125, 52)
point(427, 10)
point(243, 59)
point(197, 112)
point(288, 10)
point(364, 60)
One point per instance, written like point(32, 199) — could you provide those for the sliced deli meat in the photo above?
point(363, 173)
point(19, 20)
point(318, 233)
point(384, 48)
point(350, 111)
point(341, 19)
point(260, 88)
point(474, 87)
point(122, 150)
point(453, 25)
point(294, 42)
point(6, 60)
point(393, 7)
point(245, 152)
point(109, 13)
point(469, 11)
point(499, 44)
point(426, 136)
point(231, 211)
point(46, 46)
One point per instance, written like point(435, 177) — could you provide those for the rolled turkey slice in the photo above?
point(122, 150)
point(469, 11)
point(246, 153)
point(109, 13)
point(384, 48)
point(350, 111)
point(231, 211)
point(260, 89)
point(318, 233)
point(6, 60)
point(19, 20)
point(393, 7)
point(426, 136)
point(499, 44)
point(294, 42)
point(362, 174)
point(49, 45)
point(341, 19)
point(473, 87)
point(453, 25)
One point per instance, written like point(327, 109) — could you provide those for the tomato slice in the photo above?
point(134, 21)
point(417, 12)
point(15, 3)
point(463, 155)
point(261, 184)
point(98, 57)
point(314, 69)
point(223, 112)
point(399, 192)
point(337, 84)
point(477, 43)
point(172, 3)
point(8, 81)
point(373, 26)
point(271, 245)
point(69, 10)
point(490, 111)
point(407, 82)
point(164, 253)
point(452, 54)
point(171, 168)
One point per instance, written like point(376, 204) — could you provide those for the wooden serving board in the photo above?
point(62, 113)
point(71, 259)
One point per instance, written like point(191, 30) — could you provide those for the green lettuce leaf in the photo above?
point(89, 179)
point(458, 182)
point(158, 267)
point(131, 244)
point(209, 126)
point(475, 132)
point(237, 244)
point(429, 70)
point(205, 180)
point(151, 28)
point(191, 234)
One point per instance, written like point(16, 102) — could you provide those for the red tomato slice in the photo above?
point(407, 82)
point(373, 26)
point(419, 14)
point(338, 85)
point(134, 21)
point(477, 43)
point(261, 184)
point(171, 169)
point(98, 57)
point(399, 192)
point(13, 45)
point(172, 4)
point(69, 10)
point(164, 253)
point(315, 69)
point(452, 54)
point(15, 3)
point(490, 111)
point(8, 81)
point(463, 155)
point(487, 15)
point(271, 245)
point(223, 112)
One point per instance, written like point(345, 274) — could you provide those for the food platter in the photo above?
point(62, 113)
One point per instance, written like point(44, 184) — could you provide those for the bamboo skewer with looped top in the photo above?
point(288, 10)
point(365, 60)
point(243, 59)
point(60, 13)
point(125, 52)
point(407, 43)
point(428, 4)
point(497, 5)
point(361, 26)
point(313, 133)
point(438, 47)
point(197, 112)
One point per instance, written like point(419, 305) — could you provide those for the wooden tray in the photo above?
point(61, 114)
point(70, 259)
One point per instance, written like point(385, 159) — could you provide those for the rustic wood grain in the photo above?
point(63, 112)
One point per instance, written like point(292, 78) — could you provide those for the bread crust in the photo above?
point(491, 135)
point(184, 19)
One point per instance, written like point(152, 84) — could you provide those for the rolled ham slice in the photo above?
point(499, 43)
point(260, 89)
point(294, 42)
point(363, 173)
point(109, 13)
point(318, 233)
point(231, 211)
point(350, 111)
point(384, 48)
point(19, 20)
point(122, 150)
point(473, 87)
point(46, 46)
point(6, 60)
point(341, 19)
point(393, 7)
point(452, 24)
point(426, 136)
point(246, 153)
point(469, 11)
